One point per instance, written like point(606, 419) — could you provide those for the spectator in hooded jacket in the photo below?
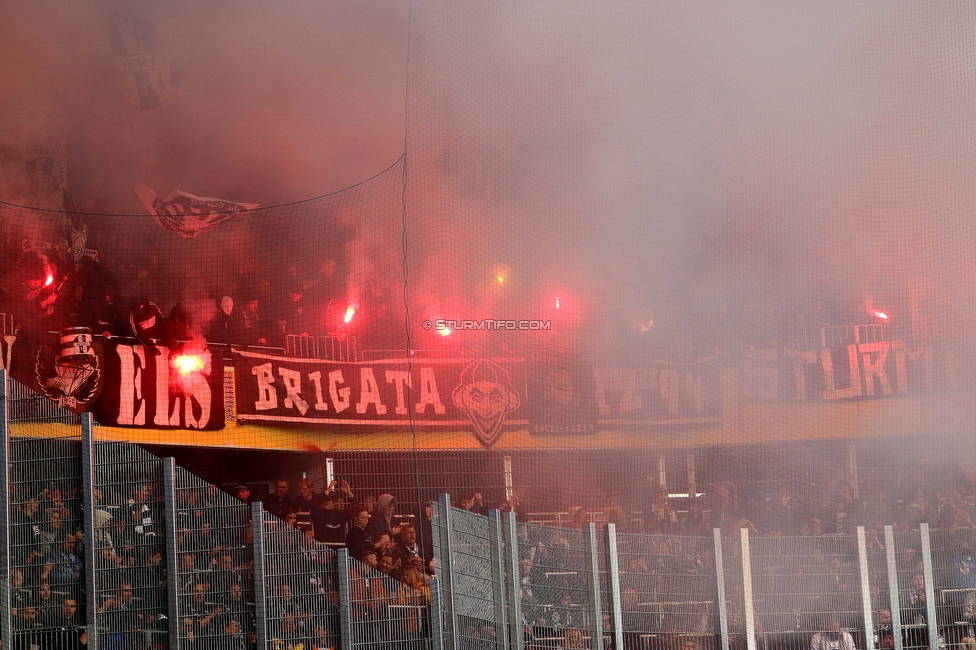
point(381, 522)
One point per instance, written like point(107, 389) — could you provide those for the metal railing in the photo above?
point(332, 348)
point(835, 336)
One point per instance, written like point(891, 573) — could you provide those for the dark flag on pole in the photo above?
point(148, 73)
point(188, 215)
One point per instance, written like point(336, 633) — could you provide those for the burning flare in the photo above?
point(187, 363)
point(350, 312)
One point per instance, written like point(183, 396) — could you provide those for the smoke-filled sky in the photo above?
point(650, 159)
point(277, 102)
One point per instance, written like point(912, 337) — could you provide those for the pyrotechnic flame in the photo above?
point(557, 302)
point(187, 363)
point(49, 280)
point(444, 332)
point(350, 311)
point(881, 315)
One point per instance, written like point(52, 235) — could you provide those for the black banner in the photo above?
point(122, 383)
point(664, 393)
point(484, 394)
point(563, 397)
point(857, 371)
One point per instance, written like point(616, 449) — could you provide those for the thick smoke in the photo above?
point(662, 168)
point(274, 103)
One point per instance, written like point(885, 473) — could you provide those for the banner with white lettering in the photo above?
point(171, 390)
point(482, 394)
point(120, 382)
point(856, 371)
point(664, 392)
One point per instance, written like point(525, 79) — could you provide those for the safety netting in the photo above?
point(672, 266)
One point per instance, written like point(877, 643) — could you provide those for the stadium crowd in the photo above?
point(40, 294)
point(664, 547)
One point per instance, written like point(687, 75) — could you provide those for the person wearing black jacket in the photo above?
point(278, 500)
point(329, 520)
point(359, 541)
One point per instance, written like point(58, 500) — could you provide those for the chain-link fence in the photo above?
point(553, 563)
point(467, 550)
point(954, 572)
point(913, 601)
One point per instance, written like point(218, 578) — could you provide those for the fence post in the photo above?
point(593, 582)
point(88, 515)
point(497, 578)
point(929, 588)
point(613, 571)
point(436, 615)
point(747, 590)
point(172, 565)
point(260, 575)
point(345, 599)
point(6, 624)
point(509, 485)
point(513, 582)
point(893, 587)
point(723, 612)
point(446, 568)
point(862, 560)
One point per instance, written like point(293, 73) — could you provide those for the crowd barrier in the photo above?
point(104, 545)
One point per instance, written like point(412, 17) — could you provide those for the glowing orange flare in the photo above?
point(349, 314)
point(557, 302)
point(187, 363)
point(881, 315)
point(501, 279)
point(49, 281)
point(444, 332)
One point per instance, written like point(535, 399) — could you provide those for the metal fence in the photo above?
point(668, 588)
point(297, 585)
point(210, 544)
point(130, 575)
point(44, 598)
point(804, 585)
point(104, 545)
point(383, 611)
